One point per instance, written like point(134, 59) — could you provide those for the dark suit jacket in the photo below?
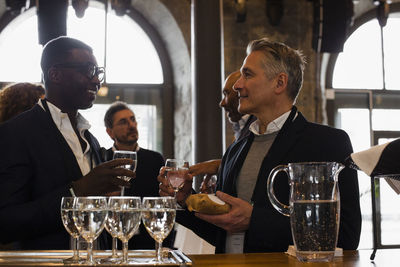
point(297, 141)
point(145, 185)
point(36, 169)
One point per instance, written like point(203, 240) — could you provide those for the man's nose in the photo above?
point(222, 103)
point(132, 124)
point(238, 84)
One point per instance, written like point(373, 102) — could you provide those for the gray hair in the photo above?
point(278, 58)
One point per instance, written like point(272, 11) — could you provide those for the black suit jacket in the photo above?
point(36, 169)
point(145, 184)
point(297, 141)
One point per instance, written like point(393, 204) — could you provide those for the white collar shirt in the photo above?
point(64, 125)
point(272, 127)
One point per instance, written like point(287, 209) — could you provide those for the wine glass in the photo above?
point(209, 184)
point(158, 216)
point(175, 171)
point(124, 154)
point(110, 228)
point(125, 213)
point(67, 204)
point(90, 215)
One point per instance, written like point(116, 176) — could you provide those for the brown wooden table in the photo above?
point(384, 258)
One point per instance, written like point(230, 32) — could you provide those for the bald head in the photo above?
point(230, 99)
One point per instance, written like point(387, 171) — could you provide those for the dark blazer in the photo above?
point(36, 169)
point(145, 184)
point(297, 141)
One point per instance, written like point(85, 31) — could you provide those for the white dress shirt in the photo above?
point(65, 127)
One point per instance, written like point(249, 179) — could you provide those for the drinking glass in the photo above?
point(209, 184)
point(175, 171)
point(67, 204)
point(110, 228)
point(125, 213)
point(158, 216)
point(124, 154)
point(90, 217)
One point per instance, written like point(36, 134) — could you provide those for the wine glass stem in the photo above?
point(122, 191)
point(90, 252)
point(75, 248)
point(124, 252)
point(159, 251)
point(114, 248)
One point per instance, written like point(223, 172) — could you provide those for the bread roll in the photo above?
point(207, 203)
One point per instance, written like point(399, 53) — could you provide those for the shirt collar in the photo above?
point(272, 127)
point(243, 120)
point(58, 117)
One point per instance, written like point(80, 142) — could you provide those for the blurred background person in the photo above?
point(240, 125)
point(16, 98)
point(121, 126)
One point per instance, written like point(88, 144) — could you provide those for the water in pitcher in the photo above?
point(314, 226)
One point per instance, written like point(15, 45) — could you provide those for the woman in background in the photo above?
point(18, 97)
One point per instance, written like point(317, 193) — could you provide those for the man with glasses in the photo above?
point(48, 152)
point(121, 126)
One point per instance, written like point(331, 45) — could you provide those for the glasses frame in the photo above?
point(83, 68)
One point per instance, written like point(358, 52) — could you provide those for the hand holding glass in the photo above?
point(175, 171)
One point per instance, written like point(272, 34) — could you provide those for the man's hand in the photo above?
point(103, 179)
point(236, 220)
point(165, 189)
point(206, 167)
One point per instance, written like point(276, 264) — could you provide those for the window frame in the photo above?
point(368, 99)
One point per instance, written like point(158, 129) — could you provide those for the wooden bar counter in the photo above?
point(360, 258)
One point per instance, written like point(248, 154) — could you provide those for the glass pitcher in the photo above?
point(314, 207)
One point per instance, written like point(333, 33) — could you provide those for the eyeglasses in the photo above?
point(87, 69)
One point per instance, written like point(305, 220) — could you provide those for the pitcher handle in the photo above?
point(282, 208)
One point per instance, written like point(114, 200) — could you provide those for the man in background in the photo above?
point(121, 126)
point(240, 124)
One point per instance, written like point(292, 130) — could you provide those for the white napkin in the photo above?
point(292, 251)
point(368, 160)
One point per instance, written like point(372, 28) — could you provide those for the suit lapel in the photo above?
point(56, 141)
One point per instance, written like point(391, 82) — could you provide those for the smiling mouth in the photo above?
point(92, 92)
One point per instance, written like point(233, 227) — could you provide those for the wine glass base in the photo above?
point(157, 262)
point(110, 260)
point(73, 260)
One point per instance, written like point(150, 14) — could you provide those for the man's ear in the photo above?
point(281, 83)
point(54, 75)
point(110, 133)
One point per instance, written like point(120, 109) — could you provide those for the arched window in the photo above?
point(364, 101)
point(136, 64)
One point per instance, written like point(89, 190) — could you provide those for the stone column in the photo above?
point(207, 69)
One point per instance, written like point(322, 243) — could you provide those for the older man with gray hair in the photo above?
point(271, 79)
